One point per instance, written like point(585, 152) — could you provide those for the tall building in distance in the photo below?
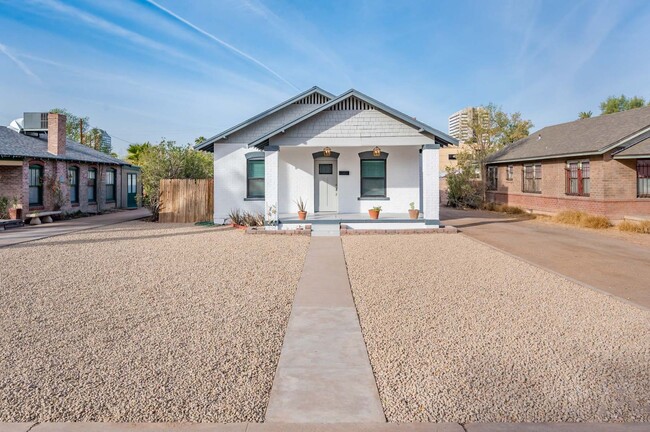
point(458, 123)
point(106, 145)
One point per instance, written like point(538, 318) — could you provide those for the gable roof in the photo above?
point(590, 136)
point(208, 145)
point(640, 149)
point(422, 127)
point(16, 145)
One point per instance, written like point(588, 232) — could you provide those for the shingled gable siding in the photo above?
point(269, 123)
point(612, 189)
point(351, 123)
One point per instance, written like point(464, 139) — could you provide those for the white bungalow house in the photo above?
point(342, 154)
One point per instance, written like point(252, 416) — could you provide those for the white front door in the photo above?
point(326, 185)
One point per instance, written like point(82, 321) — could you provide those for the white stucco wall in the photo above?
point(402, 179)
point(345, 132)
point(230, 181)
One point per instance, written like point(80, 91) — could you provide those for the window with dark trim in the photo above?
point(92, 185)
point(492, 177)
point(510, 170)
point(532, 178)
point(373, 178)
point(110, 185)
point(643, 178)
point(35, 185)
point(73, 182)
point(577, 179)
point(255, 178)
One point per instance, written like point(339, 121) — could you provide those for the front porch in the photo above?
point(333, 220)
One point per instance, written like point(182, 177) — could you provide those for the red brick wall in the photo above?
point(59, 169)
point(612, 189)
point(11, 180)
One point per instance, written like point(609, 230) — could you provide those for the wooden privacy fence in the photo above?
point(186, 200)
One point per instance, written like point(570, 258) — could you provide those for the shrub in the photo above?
point(4, 207)
point(244, 218)
point(503, 208)
point(462, 190)
point(582, 219)
point(642, 227)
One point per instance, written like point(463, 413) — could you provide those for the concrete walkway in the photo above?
point(27, 233)
point(324, 373)
point(613, 265)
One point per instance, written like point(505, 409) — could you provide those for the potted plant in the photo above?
point(302, 208)
point(15, 212)
point(413, 212)
point(374, 212)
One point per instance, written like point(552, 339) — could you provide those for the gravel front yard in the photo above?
point(143, 322)
point(459, 332)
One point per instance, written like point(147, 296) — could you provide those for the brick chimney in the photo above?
point(56, 133)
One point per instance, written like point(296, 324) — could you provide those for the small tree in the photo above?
point(169, 161)
point(615, 104)
point(490, 129)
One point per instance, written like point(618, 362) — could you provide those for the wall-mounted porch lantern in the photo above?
point(327, 152)
point(376, 152)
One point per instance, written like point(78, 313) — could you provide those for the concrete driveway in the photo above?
point(613, 265)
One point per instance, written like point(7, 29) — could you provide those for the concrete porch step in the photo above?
point(326, 230)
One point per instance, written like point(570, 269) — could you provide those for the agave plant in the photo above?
point(302, 205)
point(236, 217)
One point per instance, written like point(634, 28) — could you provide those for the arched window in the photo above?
point(35, 185)
point(73, 180)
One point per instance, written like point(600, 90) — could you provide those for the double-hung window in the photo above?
point(510, 169)
point(532, 178)
point(73, 181)
point(373, 178)
point(255, 178)
point(643, 178)
point(577, 178)
point(492, 177)
point(92, 185)
point(35, 185)
point(110, 185)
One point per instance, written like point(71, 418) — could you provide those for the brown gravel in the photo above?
point(144, 322)
point(459, 332)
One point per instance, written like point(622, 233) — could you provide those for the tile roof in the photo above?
point(14, 144)
point(594, 135)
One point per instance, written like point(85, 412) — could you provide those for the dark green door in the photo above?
point(132, 190)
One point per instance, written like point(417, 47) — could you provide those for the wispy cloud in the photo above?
point(222, 43)
point(20, 64)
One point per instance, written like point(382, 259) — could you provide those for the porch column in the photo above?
point(431, 184)
point(271, 170)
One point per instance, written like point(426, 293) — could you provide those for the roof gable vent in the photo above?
point(351, 104)
point(312, 99)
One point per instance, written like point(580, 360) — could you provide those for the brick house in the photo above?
point(34, 165)
point(599, 165)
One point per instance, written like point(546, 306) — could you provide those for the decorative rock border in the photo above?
point(443, 230)
point(261, 230)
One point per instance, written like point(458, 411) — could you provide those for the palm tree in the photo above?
point(584, 114)
point(135, 152)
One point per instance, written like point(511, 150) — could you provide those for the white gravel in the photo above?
point(144, 322)
point(459, 332)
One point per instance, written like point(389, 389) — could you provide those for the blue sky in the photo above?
point(143, 69)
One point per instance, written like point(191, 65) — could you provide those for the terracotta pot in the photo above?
point(374, 214)
point(302, 215)
point(414, 214)
point(15, 213)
